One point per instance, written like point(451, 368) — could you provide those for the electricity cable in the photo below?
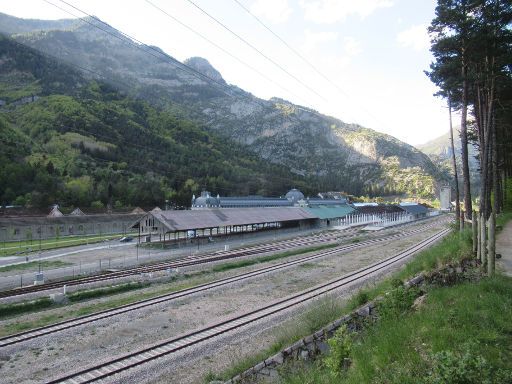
point(341, 90)
point(223, 50)
point(258, 51)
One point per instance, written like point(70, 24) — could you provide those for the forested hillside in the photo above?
point(74, 141)
point(337, 155)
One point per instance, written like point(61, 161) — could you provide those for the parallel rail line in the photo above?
point(133, 359)
point(86, 319)
point(177, 263)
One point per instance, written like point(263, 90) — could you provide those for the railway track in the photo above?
point(180, 263)
point(87, 319)
point(163, 348)
point(183, 262)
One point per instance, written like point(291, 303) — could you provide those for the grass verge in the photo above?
point(452, 248)
point(188, 281)
point(461, 334)
point(7, 310)
point(27, 246)
point(265, 259)
point(324, 310)
point(34, 265)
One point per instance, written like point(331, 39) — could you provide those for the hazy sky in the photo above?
point(374, 51)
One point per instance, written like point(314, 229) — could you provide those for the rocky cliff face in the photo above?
point(280, 132)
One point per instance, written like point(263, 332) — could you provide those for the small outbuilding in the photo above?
point(418, 211)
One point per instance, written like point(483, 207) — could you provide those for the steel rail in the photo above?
point(166, 347)
point(86, 319)
point(177, 263)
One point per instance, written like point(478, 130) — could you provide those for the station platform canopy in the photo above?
point(175, 221)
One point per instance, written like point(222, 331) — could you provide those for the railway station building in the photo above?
point(32, 228)
point(293, 198)
point(173, 225)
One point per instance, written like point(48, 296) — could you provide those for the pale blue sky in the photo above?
point(374, 50)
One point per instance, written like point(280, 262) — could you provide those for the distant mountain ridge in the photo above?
point(440, 151)
point(346, 156)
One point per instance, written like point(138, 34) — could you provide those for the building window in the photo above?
point(16, 231)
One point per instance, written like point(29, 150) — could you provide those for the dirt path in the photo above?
point(504, 247)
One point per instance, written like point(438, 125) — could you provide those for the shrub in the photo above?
point(340, 347)
point(464, 368)
point(97, 204)
point(360, 298)
point(398, 301)
point(19, 308)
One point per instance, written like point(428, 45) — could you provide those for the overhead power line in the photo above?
point(223, 49)
point(127, 39)
point(258, 51)
point(321, 74)
point(132, 41)
point(229, 91)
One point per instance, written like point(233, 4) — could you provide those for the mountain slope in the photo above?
point(71, 140)
point(344, 156)
point(440, 152)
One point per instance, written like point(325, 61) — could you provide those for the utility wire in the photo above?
point(230, 90)
point(100, 136)
point(321, 74)
point(173, 62)
point(224, 50)
point(132, 41)
point(257, 50)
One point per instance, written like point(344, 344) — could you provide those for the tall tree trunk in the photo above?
point(491, 250)
point(454, 162)
point(464, 143)
point(474, 228)
point(483, 239)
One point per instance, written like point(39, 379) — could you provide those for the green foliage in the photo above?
point(7, 310)
point(397, 302)
point(452, 249)
point(81, 136)
point(465, 367)
point(360, 298)
point(340, 346)
point(100, 292)
point(507, 203)
point(430, 345)
point(97, 204)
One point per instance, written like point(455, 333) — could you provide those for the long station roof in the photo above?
point(213, 218)
point(330, 212)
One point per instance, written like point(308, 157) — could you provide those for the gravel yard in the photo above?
point(58, 354)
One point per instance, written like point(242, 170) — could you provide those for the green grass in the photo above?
point(265, 259)
point(34, 265)
point(42, 319)
point(187, 281)
point(421, 346)
point(324, 310)
point(26, 246)
point(7, 310)
point(107, 291)
point(461, 335)
point(502, 219)
point(452, 248)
